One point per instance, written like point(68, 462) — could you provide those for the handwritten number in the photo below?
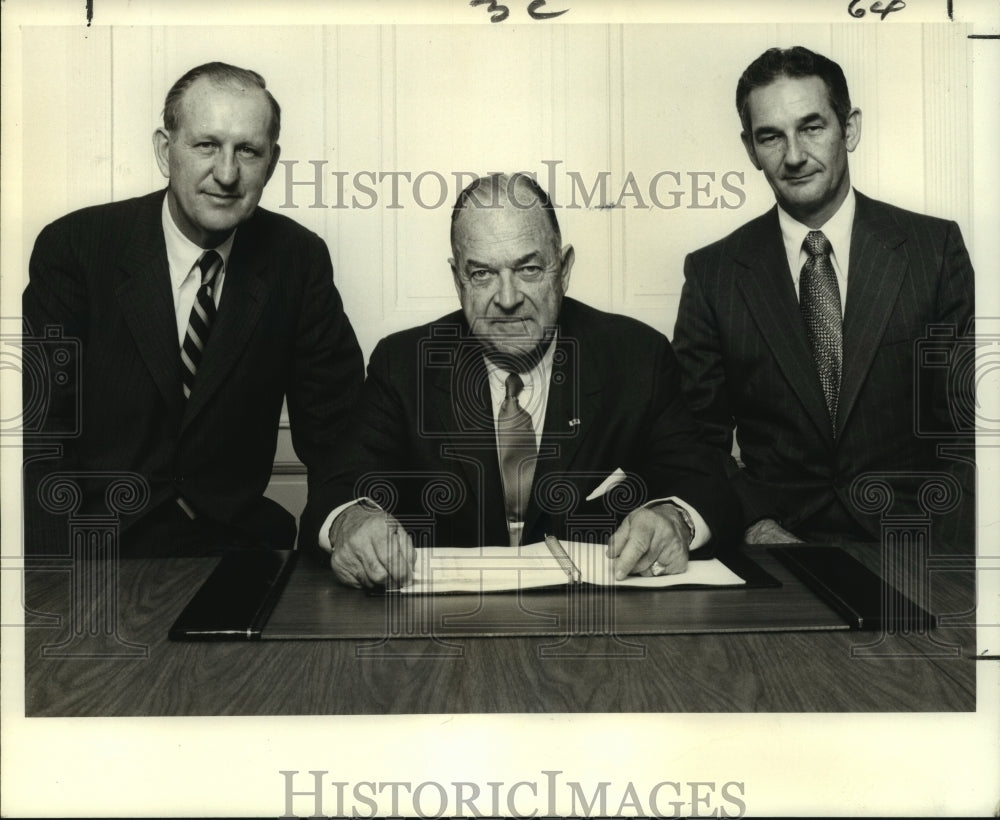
point(876, 8)
point(533, 10)
point(498, 13)
point(894, 5)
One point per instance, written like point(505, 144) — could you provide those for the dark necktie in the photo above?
point(516, 442)
point(200, 323)
point(819, 301)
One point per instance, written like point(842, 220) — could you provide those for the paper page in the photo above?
point(484, 569)
point(496, 569)
point(596, 568)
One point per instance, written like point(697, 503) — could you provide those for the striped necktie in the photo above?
point(200, 322)
point(819, 302)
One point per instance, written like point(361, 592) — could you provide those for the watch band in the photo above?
point(685, 517)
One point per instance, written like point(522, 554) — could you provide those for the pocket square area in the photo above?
point(617, 477)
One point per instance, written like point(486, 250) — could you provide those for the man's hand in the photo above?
point(371, 548)
point(769, 531)
point(647, 536)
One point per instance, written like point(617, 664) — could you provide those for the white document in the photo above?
point(497, 569)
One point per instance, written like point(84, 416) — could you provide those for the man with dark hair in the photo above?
point(523, 414)
point(801, 330)
point(793, 63)
point(196, 314)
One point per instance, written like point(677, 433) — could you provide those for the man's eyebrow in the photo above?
point(526, 258)
point(812, 117)
point(809, 118)
point(764, 130)
point(473, 263)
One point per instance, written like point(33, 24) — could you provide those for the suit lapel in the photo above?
point(875, 274)
point(244, 294)
point(575, 391)
point(146, 301)
point(460, 403)
point(769, 292)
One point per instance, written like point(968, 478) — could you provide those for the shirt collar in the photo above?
point(535, 378)
point(837, 229)
point(182, 253)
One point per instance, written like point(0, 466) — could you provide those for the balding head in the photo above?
point(496, 191)
point(509, 270)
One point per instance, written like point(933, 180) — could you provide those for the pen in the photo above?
point(564, 560)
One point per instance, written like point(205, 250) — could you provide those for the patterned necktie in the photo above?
point(516, 443)
point(200, 323)
point(819, 301)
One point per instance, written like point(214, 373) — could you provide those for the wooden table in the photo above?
point(123, 664)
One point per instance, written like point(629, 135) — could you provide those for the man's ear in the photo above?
point(275, 153)
point(568, 256)
point(852, 129)
point(748, 145)
point(161, 150)
point(454, 276)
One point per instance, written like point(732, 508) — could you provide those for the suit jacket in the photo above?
point(100, 276)
point(747, 361)
point(423, 443)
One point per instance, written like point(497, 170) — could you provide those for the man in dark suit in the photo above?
point(522, 414)
point(195, 314)
point(803, 330)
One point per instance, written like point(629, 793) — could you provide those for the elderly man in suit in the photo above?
point(802, 328)
point(196, 313)
point(523, 413)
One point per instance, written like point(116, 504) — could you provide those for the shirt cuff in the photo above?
point(702, 533)
point(324, 531)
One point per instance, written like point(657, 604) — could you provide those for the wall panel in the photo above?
point(679, 120)
point(947, 149)
point(66, 125)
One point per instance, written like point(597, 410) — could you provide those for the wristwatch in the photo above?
point(685, 517)
point(656, 568)
point(367, 504)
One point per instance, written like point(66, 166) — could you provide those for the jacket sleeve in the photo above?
point(374, 433)
point(953, 388)
point(54, 306)
point(327, 367)
point(682, 465)
point(699, 347)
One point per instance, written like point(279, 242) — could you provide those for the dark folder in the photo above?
point(852, 590)
point(236, 600)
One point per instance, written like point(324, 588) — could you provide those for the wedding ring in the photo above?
point(658, 569)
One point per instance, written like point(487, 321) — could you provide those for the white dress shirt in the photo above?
point(534, 397)
point(185, 276)
point(837, 229)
